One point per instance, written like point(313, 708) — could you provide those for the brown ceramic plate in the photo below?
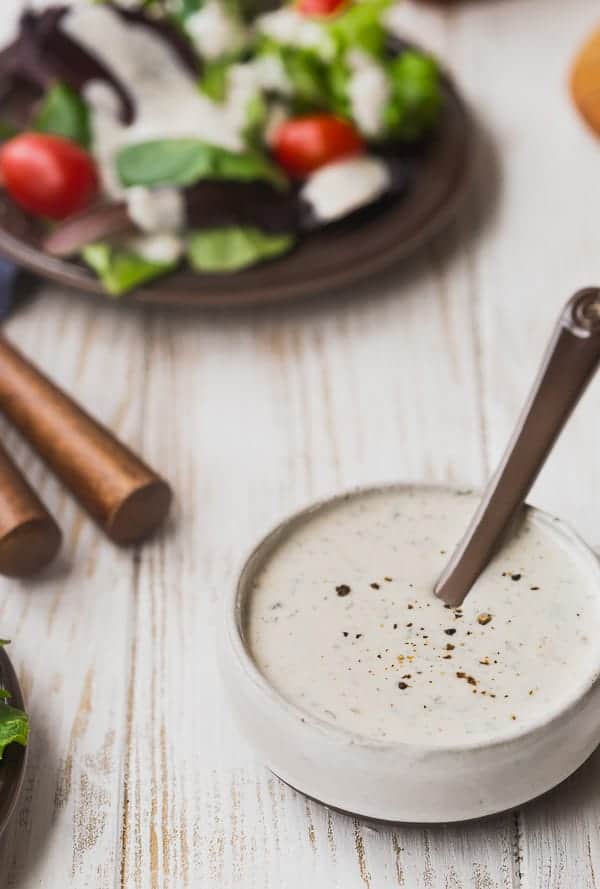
point(12, 765)
point(335, 257)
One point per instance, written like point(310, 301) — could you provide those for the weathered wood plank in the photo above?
point(537, 250)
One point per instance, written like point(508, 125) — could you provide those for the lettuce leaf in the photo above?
point(213, 81)
point(316, 83)
point(14, 726)
point(416, 99)
point(308, 74)
point(122, 270)
point(360, 26)
point(64, 113)
point(256, 118)
point(183, 162)
point(232, 248)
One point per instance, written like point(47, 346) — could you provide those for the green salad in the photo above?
point(212, 133)
point(14, 723)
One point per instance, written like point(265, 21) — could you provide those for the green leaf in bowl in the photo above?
point(122, 270)
point(231, 248)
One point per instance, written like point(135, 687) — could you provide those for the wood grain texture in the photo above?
point(138, 778)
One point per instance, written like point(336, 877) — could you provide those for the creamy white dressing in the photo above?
point(289, 27)
point(168, 102)
point(169, 105)
point(156, 210)
point(342, 621)
point(214, 31)
point(339, 188)
point(164, 247)
point(368, 91)
point(270, 74)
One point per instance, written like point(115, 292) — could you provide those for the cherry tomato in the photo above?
point(304, 144)
point(48, 175)
point(320, 8)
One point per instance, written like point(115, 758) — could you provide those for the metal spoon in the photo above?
point(572, 357)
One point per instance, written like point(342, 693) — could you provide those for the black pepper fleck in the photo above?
point(450, 632)
point(343, 589)
point(403, 685)
point(516, 576)
point(374, 586)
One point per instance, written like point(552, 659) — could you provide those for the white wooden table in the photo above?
point(137, 776)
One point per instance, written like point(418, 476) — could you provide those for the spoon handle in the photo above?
point(127, 498)
point(29, 536)
point(572, 357)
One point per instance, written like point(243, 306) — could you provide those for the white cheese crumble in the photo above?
point(156, 210)
point(368, 91)
point(166, 248)
point(289, 27)
point(214, 31)
point(271, 74)
point(337, 189)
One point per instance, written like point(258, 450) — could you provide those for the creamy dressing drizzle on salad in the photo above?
point(337, 72)
point(168, 102)
point(169, 105)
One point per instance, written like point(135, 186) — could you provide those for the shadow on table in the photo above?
point(574, 798)
point(24, 843)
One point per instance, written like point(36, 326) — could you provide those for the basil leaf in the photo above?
point(121, 270)
point(64, 113)
point(14, 727)
point(230, 249)
point(415, 103)
point(182, 162)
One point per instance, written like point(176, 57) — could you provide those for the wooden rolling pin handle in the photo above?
point(29, 536)
point(127, 499)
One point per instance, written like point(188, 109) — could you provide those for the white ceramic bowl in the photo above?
point(402, 782)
